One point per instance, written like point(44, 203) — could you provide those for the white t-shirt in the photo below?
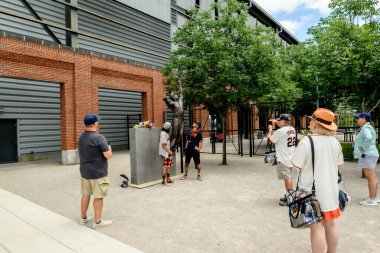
point(328, 156)
point(285, 141)
point(164, 139)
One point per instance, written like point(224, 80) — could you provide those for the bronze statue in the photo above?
point(175, 103)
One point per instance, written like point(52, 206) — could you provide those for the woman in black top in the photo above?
point(194, 142)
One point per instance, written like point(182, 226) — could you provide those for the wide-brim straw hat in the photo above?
point(325, 118)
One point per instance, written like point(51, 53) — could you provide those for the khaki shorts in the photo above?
point(96, 187)
point(283, 172)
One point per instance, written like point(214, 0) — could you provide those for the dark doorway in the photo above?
point(8, 137)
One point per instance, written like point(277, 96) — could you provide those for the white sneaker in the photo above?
point(103, 223)
point(377, 199)
point(368, 202)
point(84, 221)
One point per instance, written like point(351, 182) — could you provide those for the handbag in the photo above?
point(125, 182)
point(344, 198)
point(304, 208)
point(270, 158)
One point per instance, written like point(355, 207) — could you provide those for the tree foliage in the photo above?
point(344, 50)
point(223, 63)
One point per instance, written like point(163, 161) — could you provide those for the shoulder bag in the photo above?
point(304, 208)
point(344, 198)
point(270, 158)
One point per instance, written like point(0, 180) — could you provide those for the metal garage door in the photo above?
point(114, 106)
point(36, 106)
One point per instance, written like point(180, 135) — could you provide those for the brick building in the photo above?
point(60, 60)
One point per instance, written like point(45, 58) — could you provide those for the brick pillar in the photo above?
point(84, 101)
point(158, 105)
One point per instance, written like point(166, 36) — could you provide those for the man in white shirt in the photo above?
point(285, 143)
point(165, 153)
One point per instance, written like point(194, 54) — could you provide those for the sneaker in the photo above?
point(199, 178)
point(84, 221)
point(368, 202)
point(283, 201)
point(184, 177)
point(102, 224)
point(377, 199)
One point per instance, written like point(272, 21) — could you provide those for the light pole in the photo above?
point(317, 95)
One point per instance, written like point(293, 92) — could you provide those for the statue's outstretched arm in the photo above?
point(180, 90)
point(169, 101)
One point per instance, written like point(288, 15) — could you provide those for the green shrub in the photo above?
point(347, 150)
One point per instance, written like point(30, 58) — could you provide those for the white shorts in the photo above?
point(368, 162)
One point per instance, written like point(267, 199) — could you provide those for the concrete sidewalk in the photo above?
point(234, 209)
point(28, 228)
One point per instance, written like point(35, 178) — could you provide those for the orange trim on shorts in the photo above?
point(331, 214)
point(295, 166)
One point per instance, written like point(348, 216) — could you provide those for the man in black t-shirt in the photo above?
point(194, 142)
point(94, 152)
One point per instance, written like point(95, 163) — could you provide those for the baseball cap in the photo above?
point(90, 119)
point(285, 117)
point(365, 115)
point(325, 118)
point(167, 125)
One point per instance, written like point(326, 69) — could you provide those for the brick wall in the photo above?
point(80, 76)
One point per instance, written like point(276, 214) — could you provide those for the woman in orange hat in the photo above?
point(328, 158)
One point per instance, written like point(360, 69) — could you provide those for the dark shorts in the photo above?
point(192, 154)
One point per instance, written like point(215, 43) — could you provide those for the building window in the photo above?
point(197, 3)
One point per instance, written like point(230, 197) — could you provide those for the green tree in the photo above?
point(346, 44)
point(222, 62)
point(286, 92)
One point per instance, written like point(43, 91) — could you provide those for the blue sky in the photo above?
point(296, 15)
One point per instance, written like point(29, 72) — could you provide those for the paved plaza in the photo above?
point(234, 209)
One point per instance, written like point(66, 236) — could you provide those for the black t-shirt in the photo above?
point(93, 164)
point(193, 139)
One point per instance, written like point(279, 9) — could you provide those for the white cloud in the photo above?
point(276, 6)
point(294, 25)
point(321, 5)
point(291, 25)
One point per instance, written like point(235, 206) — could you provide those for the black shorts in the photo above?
point(192, 154)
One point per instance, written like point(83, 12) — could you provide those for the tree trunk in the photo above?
point(363, 104)
point(224, 120)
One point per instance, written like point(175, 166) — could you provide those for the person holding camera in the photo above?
point(94, 152)
point(285, 143)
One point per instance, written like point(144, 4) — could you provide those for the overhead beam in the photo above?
point(45, 27)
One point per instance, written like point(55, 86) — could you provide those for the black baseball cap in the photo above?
point(285, 117)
